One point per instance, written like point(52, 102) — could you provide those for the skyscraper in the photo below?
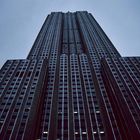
point(74, 85)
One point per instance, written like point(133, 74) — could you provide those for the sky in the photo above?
point(21, 20)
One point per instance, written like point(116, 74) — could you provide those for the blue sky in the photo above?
point(21, 20)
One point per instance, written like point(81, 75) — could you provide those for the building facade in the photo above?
point(74, 85)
